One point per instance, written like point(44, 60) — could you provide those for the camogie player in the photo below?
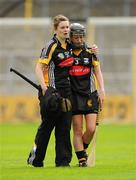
point(52, 70)
point(86, 97)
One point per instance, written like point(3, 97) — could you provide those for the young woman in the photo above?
point(52, 69)
point(83, 75)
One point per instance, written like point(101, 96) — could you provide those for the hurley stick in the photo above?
point(92, 156)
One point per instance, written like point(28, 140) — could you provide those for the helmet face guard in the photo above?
point(77, 29)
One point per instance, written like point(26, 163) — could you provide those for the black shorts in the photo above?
point(85, 104)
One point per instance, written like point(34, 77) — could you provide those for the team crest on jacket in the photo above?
point(79, 70)
point(89, 103)
point(61, 55)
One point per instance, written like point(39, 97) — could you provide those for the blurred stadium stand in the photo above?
point(76, 9)
point(23, 39)
point(116, 38)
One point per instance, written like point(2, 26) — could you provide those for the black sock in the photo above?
point(81, 156)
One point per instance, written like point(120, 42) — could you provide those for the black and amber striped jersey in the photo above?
point(58, 58)
point(81, 73)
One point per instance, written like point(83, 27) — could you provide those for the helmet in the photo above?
point(77, 29)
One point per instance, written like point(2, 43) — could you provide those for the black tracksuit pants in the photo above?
point(63, 148)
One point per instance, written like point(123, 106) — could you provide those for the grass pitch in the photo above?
point(115, 155)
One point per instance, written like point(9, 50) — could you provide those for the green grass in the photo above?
point(115, 155)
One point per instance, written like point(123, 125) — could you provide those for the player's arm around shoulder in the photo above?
point(93, 49)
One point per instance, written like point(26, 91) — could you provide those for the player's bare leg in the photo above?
point(77, 140)
point(89, 132)
point(90, 128)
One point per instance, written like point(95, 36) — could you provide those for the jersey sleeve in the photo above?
point(95, 60)
point(47, 52)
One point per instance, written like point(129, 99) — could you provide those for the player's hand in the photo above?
point(95, 49)
point(44, 88)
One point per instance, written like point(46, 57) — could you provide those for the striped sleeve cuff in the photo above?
point(43, 61)
point(96, 63)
